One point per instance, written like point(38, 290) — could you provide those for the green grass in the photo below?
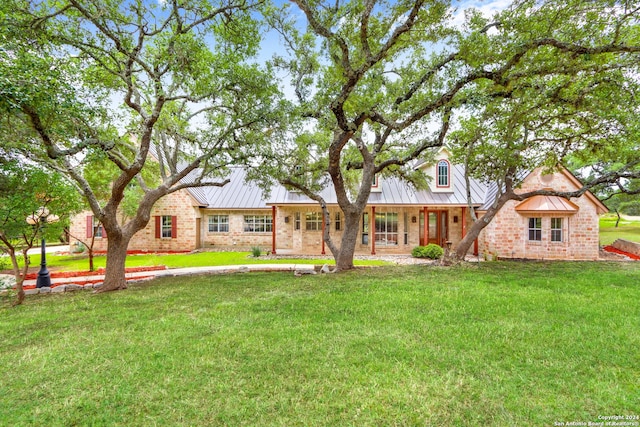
point(201, 259)
point(519, 344)
point(628, 230)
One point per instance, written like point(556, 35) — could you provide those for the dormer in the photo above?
point(375, 185)
point(441, 172)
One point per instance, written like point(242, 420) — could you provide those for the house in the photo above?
point(396, 219)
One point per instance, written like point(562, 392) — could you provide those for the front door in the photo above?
point(438, 229)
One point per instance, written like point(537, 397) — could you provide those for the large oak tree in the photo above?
point(377, 84)
point(113, 82)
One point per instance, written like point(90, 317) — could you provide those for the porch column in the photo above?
point(273, 229)
point(372, 228)
point(425, 231)
point(322, 238)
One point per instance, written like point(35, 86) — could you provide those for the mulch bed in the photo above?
point(619, 252)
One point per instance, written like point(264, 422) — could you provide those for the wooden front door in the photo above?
point(438, 227)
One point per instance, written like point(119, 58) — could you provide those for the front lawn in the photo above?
point(495, 344)
point(627, 229)
point(201, 259)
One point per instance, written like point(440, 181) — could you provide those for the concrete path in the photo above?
point(190, 271)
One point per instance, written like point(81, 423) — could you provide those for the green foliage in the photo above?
point(256, 251)
point(431, 251)
point(630, 208)
point(384, 346)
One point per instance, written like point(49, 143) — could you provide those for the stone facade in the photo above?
point(298, 227)
point(179, 206)
point(507, 236)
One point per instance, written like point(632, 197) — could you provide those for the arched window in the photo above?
point(443, 173)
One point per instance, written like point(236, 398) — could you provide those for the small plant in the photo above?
point(78, 248)
point(256, 251)
point(431, 251)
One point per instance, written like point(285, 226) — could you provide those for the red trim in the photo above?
point(89, 226)
point(158, 227)
point(174, 227)
point(372, 232)
point(475, 247)
point(448, 174)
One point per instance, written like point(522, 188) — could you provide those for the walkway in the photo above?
point(95, 281)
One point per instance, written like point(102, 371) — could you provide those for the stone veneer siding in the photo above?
point(178, 204)
point(507, 235)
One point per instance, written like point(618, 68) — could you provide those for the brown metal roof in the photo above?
point(547, 204)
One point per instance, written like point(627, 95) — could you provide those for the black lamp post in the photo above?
point(40, 218)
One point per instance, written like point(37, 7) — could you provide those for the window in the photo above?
point(218, 223)
point(365, 228)
point(94, 228)
point(406, 228)
point(165, 222)
point(374, 184)
point(443, 173)
point(258, 224)
point(296, 221)
point(386, 228)
point(166, 227)
point(338, 221)
point(313, 221)
point(556, 229)
point(535, 229)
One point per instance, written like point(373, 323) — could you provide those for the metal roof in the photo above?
point(547, 204)
point(240, 194)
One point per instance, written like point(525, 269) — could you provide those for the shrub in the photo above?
point(256, 251)
point(431, 251)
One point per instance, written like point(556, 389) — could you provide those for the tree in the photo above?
point(26, 190)
point(578, 110)
point(177, 70)
point(378, 84)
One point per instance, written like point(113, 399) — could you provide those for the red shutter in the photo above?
point(104, 232)
point(158, 227)
point(174, 227)
point(89, 226)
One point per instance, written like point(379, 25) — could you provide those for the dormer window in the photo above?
point(443, 175)
point(374, 184)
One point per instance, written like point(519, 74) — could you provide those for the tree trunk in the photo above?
point(344, 257)
point(474, 231)
point(114, 278)
point(618, 219)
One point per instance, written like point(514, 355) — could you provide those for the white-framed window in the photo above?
point(338, 221)
point(365, 228)
point(442, 171)
point(535, 229)
point(218, 223)
point(165, 226)
point(556, 230)
point(387, 228)
point(96, 227)
point(313, 221)
point(296, 221)
point(258, 224)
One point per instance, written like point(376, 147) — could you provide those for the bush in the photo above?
point(256, 251)
point(431, 251)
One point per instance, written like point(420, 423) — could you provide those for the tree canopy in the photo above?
point(378, 84)
point(94, 89)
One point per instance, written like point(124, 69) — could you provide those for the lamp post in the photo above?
point(40, 218)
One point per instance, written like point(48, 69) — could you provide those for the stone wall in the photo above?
point(178, 204)
point(627, 246)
